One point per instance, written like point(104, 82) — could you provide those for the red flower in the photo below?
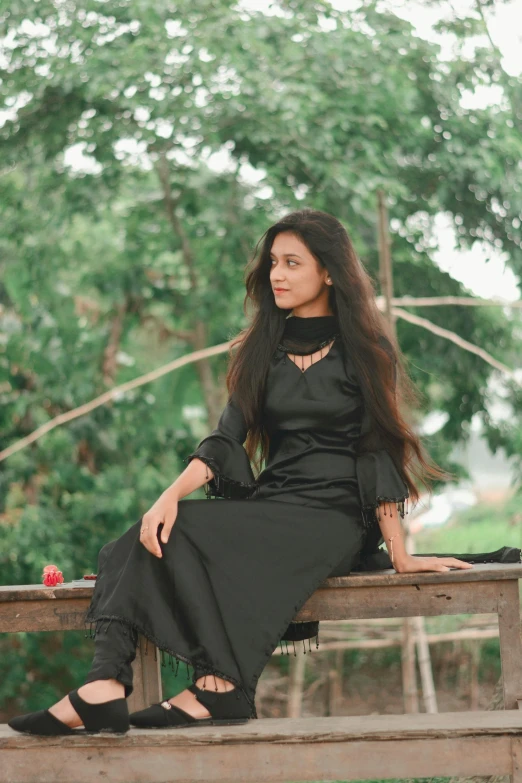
point(51, 576)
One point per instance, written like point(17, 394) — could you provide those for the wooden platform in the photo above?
point(277, 751)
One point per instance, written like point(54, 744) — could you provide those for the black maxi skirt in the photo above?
point(233, 575)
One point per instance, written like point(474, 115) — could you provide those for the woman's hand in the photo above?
point(412, 564)
point(163, 512)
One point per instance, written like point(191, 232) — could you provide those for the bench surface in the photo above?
point(299, 730)
point(479, 572)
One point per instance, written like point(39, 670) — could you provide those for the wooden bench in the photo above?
point(489, 587)
point(342, 748)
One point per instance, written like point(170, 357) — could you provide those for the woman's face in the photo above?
point(303, 280)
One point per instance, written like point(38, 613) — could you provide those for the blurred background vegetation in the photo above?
point(145, 149)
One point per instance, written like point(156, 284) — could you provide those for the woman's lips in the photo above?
point(280, 290)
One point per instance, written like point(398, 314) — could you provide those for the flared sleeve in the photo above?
point(378, 477)
point(225, 455)
point(379, 482)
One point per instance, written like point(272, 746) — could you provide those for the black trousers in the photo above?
point(114, 651)
point(115, 645)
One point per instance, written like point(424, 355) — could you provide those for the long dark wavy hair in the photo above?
point(362, 328)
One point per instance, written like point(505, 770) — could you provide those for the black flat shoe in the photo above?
point(108, 716)
point(226, 708)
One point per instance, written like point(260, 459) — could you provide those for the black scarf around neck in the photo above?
point(305, 335)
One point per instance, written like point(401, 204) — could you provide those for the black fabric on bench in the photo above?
point(379, 560)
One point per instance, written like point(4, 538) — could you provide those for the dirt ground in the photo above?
point(372, 689)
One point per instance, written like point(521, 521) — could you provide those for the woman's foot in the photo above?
point(198, 705)
point(93, 693)
point(187, 701)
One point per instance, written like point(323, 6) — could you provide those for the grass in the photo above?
point(483, 528)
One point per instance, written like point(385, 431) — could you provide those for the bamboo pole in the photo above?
point(423, 649)
point(412, 627)
point(474, 687)
point(385, 262)
point(335, 684)
point(295, 690)
point(386, 282)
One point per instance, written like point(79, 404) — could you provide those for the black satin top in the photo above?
point(314, 421)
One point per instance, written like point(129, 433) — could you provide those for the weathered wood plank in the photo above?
point(67, 611)
point(62, 614)
point(304, 730)
point(409, 600)
point(480, 571)
point(275, 751)
point(516, 752)
point(489, 756)
point(40, 592)
point(490, 571)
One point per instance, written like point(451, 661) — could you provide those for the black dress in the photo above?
point(236, 571)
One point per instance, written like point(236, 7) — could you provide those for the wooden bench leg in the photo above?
point(510, 642)
point(409, 672)
point(516, 751)
point(146, 677)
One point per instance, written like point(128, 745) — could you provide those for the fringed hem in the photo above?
point(223, 486)
point(286, 652)
point(370, 513)
point(300, 630)
point(202, 670)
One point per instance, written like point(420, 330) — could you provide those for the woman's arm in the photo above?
point(195, 475)
point(165, 509)
point(228, 471)
point(392, 532)
point(226, 457)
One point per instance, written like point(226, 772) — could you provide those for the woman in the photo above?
point(313, 394)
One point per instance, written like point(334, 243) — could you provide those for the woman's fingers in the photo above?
point(435, 564)
point(149, 536)
point(419, 563)
point(453, 561)
point(446, 563)
point(460, 563)
point(416, 563)
point(168, 522)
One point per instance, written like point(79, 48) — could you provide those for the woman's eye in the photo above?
point(291, 261)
